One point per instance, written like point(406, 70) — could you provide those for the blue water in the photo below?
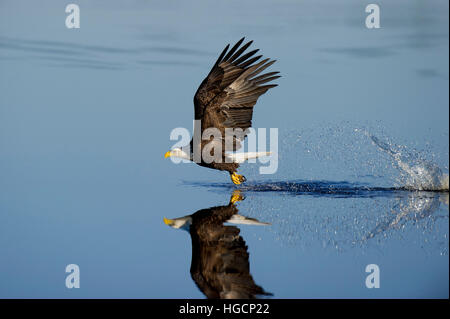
point(85, 118)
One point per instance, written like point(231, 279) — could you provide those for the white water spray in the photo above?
point(416, 174)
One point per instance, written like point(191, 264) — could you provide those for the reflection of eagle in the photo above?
point(220, 265)
point(225, 100)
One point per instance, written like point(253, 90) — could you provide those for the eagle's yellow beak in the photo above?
point(168, 221)
point(168, 153)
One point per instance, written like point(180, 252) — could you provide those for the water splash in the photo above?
point(345, 152)
point(333, 189)
point(339, 159)
point(416, 173)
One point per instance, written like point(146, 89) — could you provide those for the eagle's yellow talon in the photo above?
point(237, 179)
point(236, 196)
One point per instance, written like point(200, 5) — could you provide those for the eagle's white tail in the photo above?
point(242, 220)
point(242, 157)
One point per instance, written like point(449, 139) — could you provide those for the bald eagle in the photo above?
point(220, 260)
point(225, 100)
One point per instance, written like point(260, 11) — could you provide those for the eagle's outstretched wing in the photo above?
point(226, 97)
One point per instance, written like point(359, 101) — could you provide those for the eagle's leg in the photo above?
point(236, 196)
point(237, 179)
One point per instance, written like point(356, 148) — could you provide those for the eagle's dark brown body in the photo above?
point(229, 167)
point(226, 97)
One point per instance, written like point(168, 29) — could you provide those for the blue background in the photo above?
point(85, 118)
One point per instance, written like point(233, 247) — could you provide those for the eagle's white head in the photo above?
point(179, 223)
point(177, 152)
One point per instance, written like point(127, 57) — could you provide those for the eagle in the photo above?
point(220, 261)
point(223, 104)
